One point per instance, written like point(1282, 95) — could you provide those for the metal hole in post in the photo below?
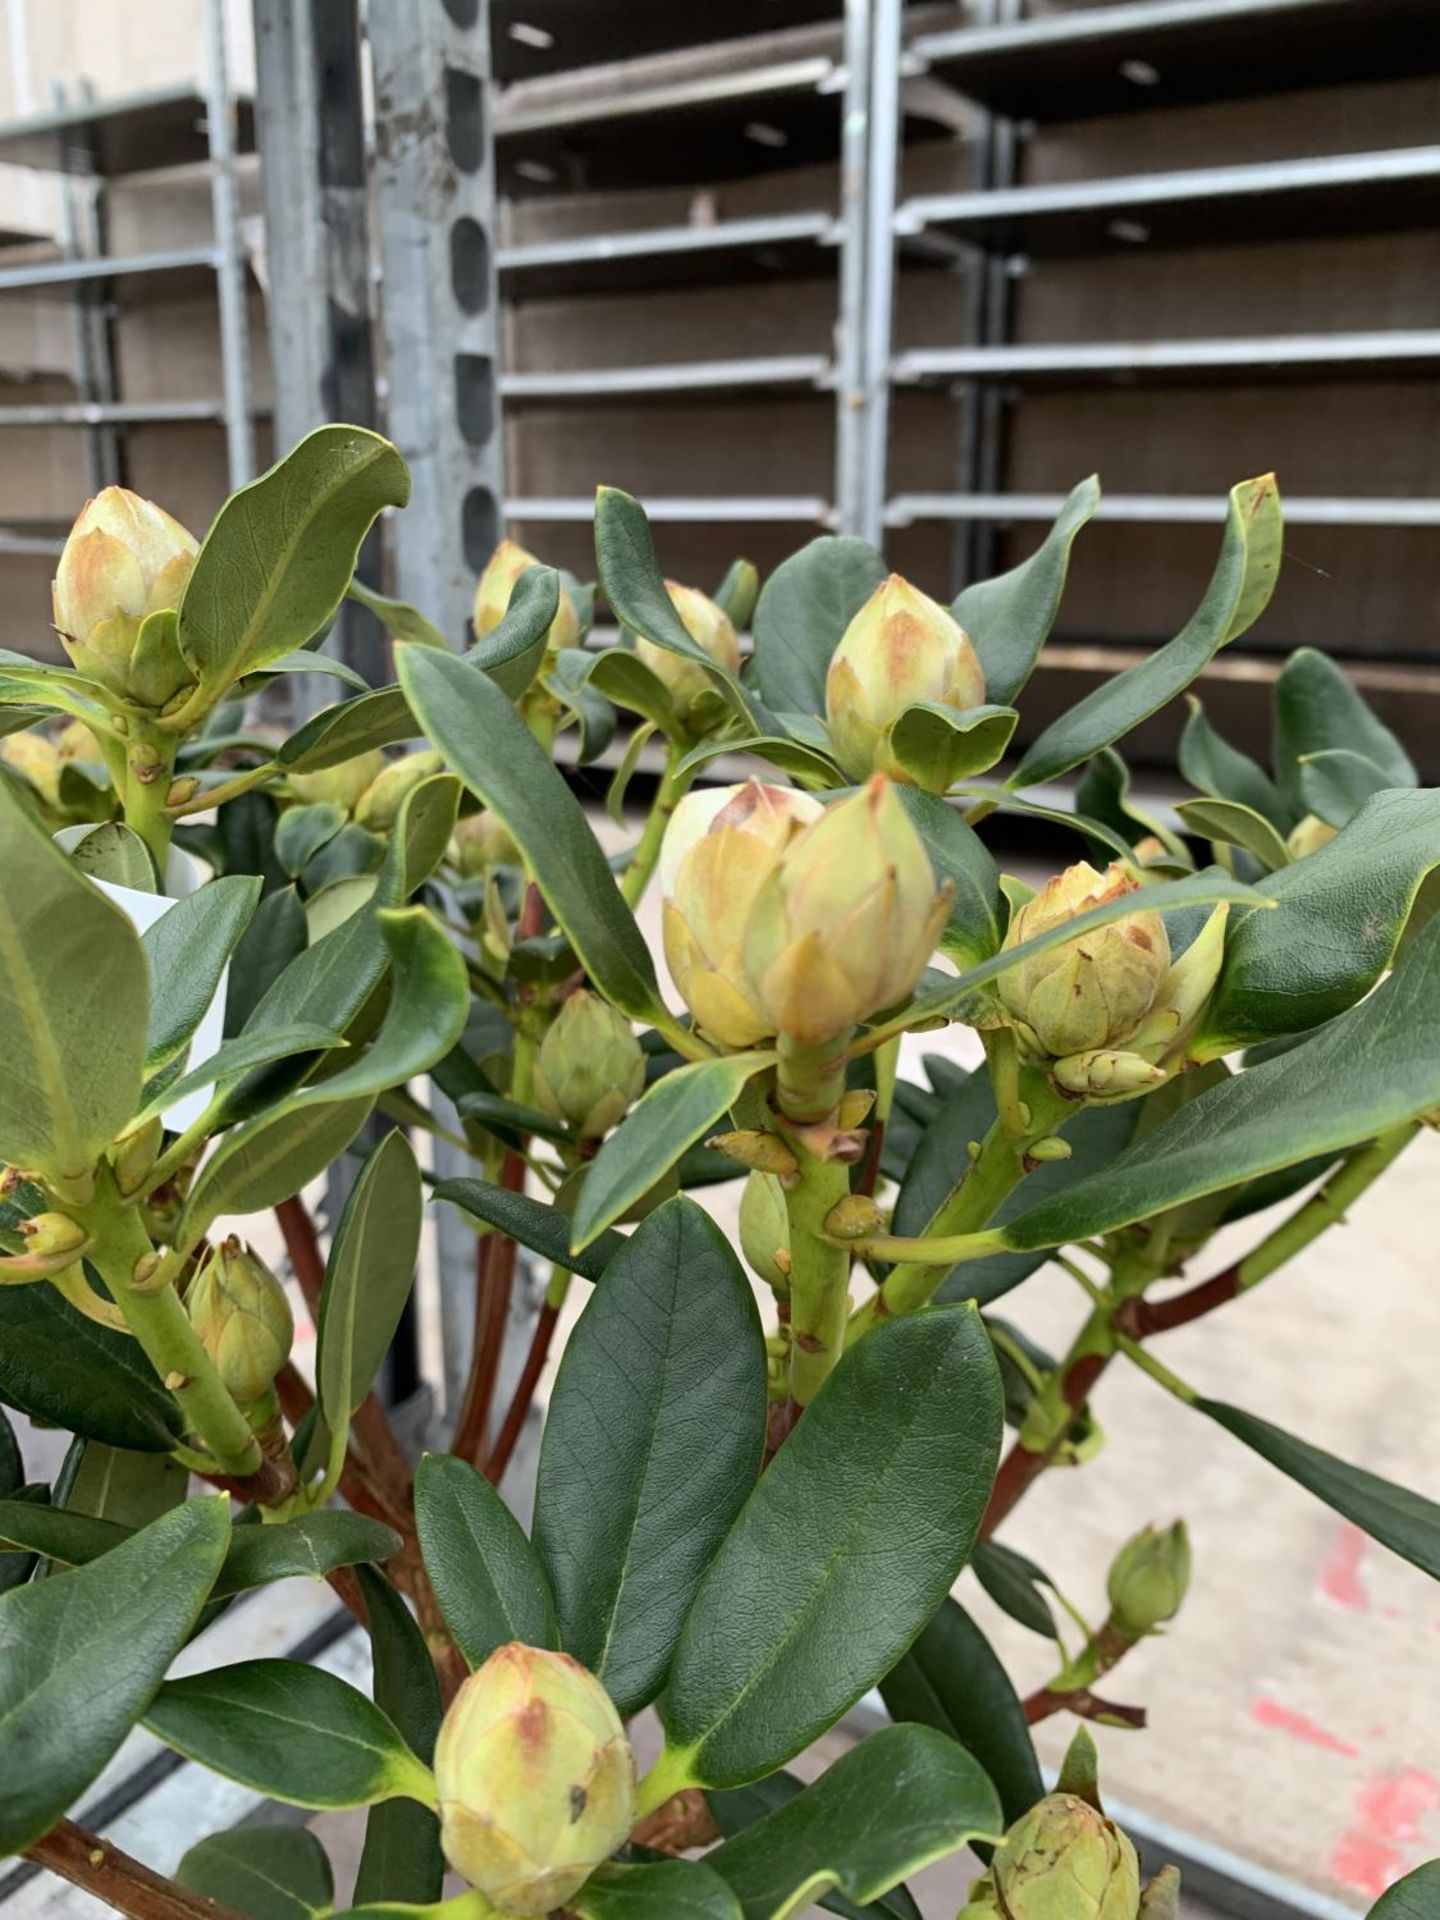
point(465, 13)
point(475, 397)
point(470, 265)
point(479, 526)
point(464, 119)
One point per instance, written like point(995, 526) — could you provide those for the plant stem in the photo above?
point(642, 863)
point(122, 1883)
point(810, 1082)
point(1325, 1208)
point(149, 770)
point(513, 1424)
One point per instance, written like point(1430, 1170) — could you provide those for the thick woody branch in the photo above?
point(125, 1884)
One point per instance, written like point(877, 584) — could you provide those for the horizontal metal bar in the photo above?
point(95, 413)
point(29, 546)
point(789, 509)
point(94, 112)
point(518, 115)
point(1393, 347)
point(775, 370)
point(1043, 33)
point(54, 273)
point(1161, 509)
point(590, 248)
point(1378, 170)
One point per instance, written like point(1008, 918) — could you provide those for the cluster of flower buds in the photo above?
point(686, 681)
point(590, 1068)
point(1063, 1860)
point(1149, 1579)
point(499, 580)
point(535, 1777)
point(1109, 1012)
point(901, 648)
point(239, 1310)
point(783, 917)
point(125, 561)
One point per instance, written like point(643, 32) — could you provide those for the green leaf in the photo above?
point(737, 593)
point(246, 1052)
point(1014, 1583)
point(1009, 618)
point(801, 616)
point(399, 619)
point(379, 719)
point(73, 999)
point(472, 722)
point(1213, 766)
point(623, 677)
point(1238, 593)
point(1416, 1897)
point(302, 832)
point(275, 565)
point(543, 1229)
point(310, 659)
point(842, 1552)
point(114, 853)
point(295, 1733)
point(902, 1799)
point(274, 937)
point(367, 1277)
point(671, 1115)
point(12, 1465)
point(122, 1486)
point(1384, 1054)
point(1336, 783)
point(1235, 825)
point(957, 853)
point(658, 1890)
point(486, 1575)
point(266, 1160)
point(419, 837)
point(1338, 920)
point(67, 1371)
point(81, 1657)
point(513, 652)
point(652, 1441)
point(402, 1858)
point(737, 1808)
point(938, 746)
point(187, 950)
point(952, 1680)
point(1317, 708)
point(269, 1872)
point(805, 764)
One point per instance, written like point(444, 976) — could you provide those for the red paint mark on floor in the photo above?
point(1282, 1719)
point(1340, 1576)
point(1376, 1850)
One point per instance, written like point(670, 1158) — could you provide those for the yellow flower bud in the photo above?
point(382, 800)
point(686, 680)
point(125, 559)
point(1092, 992)
point(535, 1777)
point(1065, 1861)
point(590, 1067)
point(36, 759)
point(49, 1234)
point(498, 582)
point(1309, 836)
point(719, 849)
point(901, 647)
point(239, 1310)
point(846, 920)
point(339, 786)
point(1149, 1578)
point(765, 1230)
point(76, 741)
point(481, 841)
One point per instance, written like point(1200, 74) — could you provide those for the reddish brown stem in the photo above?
point(494, 1282)
point(1020, 1467)
point(1089, 1706)
point(870, 1167)
point(125, 1884)
point(514, 1422)
point(1139, 1318)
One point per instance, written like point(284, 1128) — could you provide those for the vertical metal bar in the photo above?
point(884, 150)
point(994, 402)
point(83, 214)
point(850, 326)
point(229, 253)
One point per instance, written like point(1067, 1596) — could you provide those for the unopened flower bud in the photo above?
point(590, 1067)
point(1161, 1899)
point(853, 1217)
point(381, 801)
point(498, 582)
point(124, 560)
point(136, 1154)
point(49, 1235)
point(686, 680)
point(535, 1777)
point(481, 841)
point(902, 647)
point(239, 1310)
point(1106, 1071)
point(846, 920)
point(719, 849)
point(1309, 836)
point(765, 1230)
point(754, 1148)
point(76, 741)
point(1149, 1578)
point(1065, 1861)
point(1052, 1147)
point(36, 759)
point(339, 786)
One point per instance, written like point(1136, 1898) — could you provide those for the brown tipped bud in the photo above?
point(686, 681)
point(854, 1109)
point(382, 800)
point(901, 648)
point(590, 1067)
point(182, 791)
point(124, 560)
point(497, 583)
point(1311, 834)
point(854, 1217)
point(1149, 1578)
point(1065, 1861)
point(535, 1777)
point(762, 1152)
point(239, 1310)
point(765, 1230)
point(50, 1236)
point(482, 841)
point(136, 1154)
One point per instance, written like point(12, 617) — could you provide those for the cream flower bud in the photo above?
point(380, 803)
point(845, 922)
point(499, 580)
point(481, 841)
point(1149, 1578)
point(686, 681)
point(339, 786)
point(239, 1310)
point(1065, 1861)
point(125, 558)
point(901, 647)
point(535, 1777)
point(719, 849)
point(590, 1067)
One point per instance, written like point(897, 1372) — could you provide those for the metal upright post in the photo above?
point(83, 213)
point(884, 159)
point(850, 395)
point(229, 253)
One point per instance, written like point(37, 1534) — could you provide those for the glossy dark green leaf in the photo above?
point(801, 616)
point(275, 936)
point(902, 1799)
point(1416, 1897)
point(543, 1229)
point(1336, 783)
point(975, 927)
point(303, 831)
point(187, 950)
point(276, 563)
point(670, 1116)
point(1235, 825)
point(368, 1277)
point(379, 719)
point(622, 676)
point(1013, 1582)
point(842, 1552)
point(471, 721)
point(736, 1808)
point(419, 838)
point(401, 1858)
point(399, 619)
point(952, 1680)
point(658, 1890)
point(1318, 708)
point(512, 652)
point(246, 1052)
point(296, 1733)
point(69, 1372)
point(122, 1486)
point(1009, 618)
point(267, 1159)
point(486, 1575)
point(653, 1439)
point(507, 1119)
point(1238, 593)
point(938, 747)
point(1213, 766)
point(12, 1464)
point(81, 1658)
point(269, 1872)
